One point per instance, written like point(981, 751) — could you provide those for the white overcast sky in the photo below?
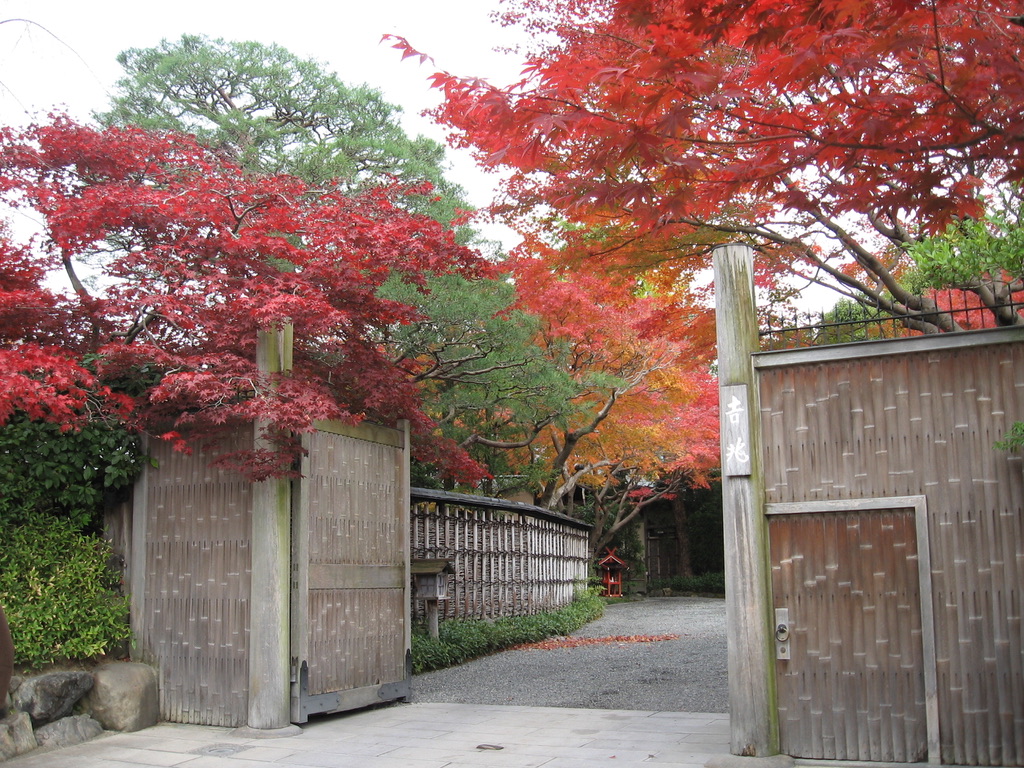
point(67, 62)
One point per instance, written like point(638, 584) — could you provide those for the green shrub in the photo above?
point(705, 583)
point(59, 594)
point(1014, 439)
point(463, 639)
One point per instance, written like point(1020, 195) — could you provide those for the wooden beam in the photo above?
point(889, 347)
point(753, 715)
point(269, 628)
point(137, 569)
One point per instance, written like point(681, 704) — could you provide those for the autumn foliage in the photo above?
point(830, 134)
point(642, 417)
point(177, 259)
point(561, 643)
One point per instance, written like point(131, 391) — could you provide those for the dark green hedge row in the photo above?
point(464, 639)
point(705, 583)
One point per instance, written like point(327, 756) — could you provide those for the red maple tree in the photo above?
point(176, 260)
point(831, 134)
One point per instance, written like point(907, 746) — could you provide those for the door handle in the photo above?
point(782, 634)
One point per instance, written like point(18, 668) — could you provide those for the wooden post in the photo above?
point(269, 630)
point(433, 612)
point(752, 712)
point(137, 569)
point(404, 501)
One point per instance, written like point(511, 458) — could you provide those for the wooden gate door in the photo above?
point(852, 687)
point(350, 571)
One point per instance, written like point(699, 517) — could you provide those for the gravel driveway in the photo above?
point(684, 675)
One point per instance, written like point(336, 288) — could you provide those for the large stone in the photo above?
point(123, 696)
point(16, 736)
point(68, 731)
point(51, 696)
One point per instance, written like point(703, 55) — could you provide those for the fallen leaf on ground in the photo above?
point(554, 643)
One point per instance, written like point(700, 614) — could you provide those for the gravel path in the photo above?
point(684, 675)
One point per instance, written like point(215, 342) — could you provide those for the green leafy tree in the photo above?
point(486, 383)
point(273, 112)
point(983, 257)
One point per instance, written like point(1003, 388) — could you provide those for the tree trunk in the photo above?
point(682, 535)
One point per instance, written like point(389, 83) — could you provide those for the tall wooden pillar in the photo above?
point(753, 717)
point(269, 622)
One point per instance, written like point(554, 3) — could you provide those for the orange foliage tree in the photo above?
point(643, 418)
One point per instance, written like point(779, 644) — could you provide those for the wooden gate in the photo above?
point(861, 428)
point(350, 571)
point(851, 679)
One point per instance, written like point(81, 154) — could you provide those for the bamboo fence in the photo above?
point(509, 559)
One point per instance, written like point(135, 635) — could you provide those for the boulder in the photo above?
point(123, 696)
point(16, 736)
point(68, 731)
point(51, 696)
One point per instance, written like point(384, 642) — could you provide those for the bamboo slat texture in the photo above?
point(853, 688)
point(507, 562)
point(354, 619)
point(195, 607)
point(925, 423)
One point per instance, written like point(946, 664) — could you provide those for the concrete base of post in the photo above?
point(737, 761)
point(245, 732)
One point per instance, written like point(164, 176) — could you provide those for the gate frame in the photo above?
point(303, 704)
point(919, 505)
point(261, 617)
point(752, 689)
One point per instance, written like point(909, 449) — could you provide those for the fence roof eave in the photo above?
point(505, 505)
point(882, 347)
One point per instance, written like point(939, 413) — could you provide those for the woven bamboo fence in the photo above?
point(193, 570)
point(875, 541)
point(191, 579)
point(510, 559)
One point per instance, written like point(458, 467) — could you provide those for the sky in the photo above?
point(66, 59)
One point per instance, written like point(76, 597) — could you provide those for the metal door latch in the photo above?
point(782, 634)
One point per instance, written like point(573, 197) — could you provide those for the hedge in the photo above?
point(463, 639)
point(59, 594)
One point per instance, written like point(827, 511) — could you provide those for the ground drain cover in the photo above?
point(220, 750)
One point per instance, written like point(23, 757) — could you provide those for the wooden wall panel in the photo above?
point(356, 638)
point(192, 619)
point(353, 556)
point(925, 423)
point(853, 688)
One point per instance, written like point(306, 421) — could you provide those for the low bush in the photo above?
point(59, 594)
point(704, 584)
point(463, 639)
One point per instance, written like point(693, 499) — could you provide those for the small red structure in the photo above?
point(612, 567)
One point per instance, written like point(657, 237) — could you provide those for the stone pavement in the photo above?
point(420, 736)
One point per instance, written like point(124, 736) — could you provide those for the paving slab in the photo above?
point(419, 735)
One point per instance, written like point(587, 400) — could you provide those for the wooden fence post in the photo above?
point(269, 604)
point(752, 712)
